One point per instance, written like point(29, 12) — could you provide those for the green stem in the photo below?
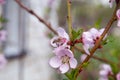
point(69, 18)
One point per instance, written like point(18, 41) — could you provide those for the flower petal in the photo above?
point(118, 23)
point(52, 41)
point(86, 48)
point(106, 67)
point(111, 3)
point(64, 68)
point(103, 73)
point(55, 62)
point(118, 76)
point(118, 13)
point(61, 32)
point(82, 58)
point(94, 32)
point(73, 62)
point(59, 51)
point(68, 52)
point(86, 35)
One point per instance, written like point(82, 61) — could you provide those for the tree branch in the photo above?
point(48, 25)
point(108, 26)
point(69, 19)
point(94, 57)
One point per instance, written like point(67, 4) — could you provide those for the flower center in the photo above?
point(60, 41)
point(65, 59)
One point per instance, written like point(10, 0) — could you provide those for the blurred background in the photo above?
point(27, 48)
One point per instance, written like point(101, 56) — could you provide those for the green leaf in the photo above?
point(85, 64)
point(107, 40)
point(68, 76)
point(76, 34)
point(65, 79)
point(98, 23)
point(114, 68)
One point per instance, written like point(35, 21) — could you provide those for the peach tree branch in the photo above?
point(48, 25)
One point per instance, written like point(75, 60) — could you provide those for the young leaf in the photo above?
point(98, 23)
point(85, 64)
point(76, 34)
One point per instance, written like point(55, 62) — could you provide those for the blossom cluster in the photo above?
point(64, 57)
point(106, 71)
point(89, 38)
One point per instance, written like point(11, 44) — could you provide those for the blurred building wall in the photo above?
point(26, 33)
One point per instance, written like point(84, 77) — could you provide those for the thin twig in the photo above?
point(69, 18)
point(94, 57)
point(48, 25)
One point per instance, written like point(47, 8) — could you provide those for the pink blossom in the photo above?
point(111, 3)
point(61, 39)
point(3, 61)
point(3, 35)
point(2, 1)
point(64, 60)
point(118, 76)
point(90, 37)
point(118, 16)
point(88, 41)
point(105, 71)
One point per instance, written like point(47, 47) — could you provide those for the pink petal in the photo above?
point(106, 67)
point(60, 51)
point(86, 48)
point(87, 38)
point(95, 33)
point(61, 32)
point(118, 23)
point(64, 68)
point(73, 62)
point(111, 3)
point(55, 62)
point(118, 76)
point(103, 73)
point(118, 13)
point(52, 41)
point(86, 35)
point(68, 52)
point(82, 58)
